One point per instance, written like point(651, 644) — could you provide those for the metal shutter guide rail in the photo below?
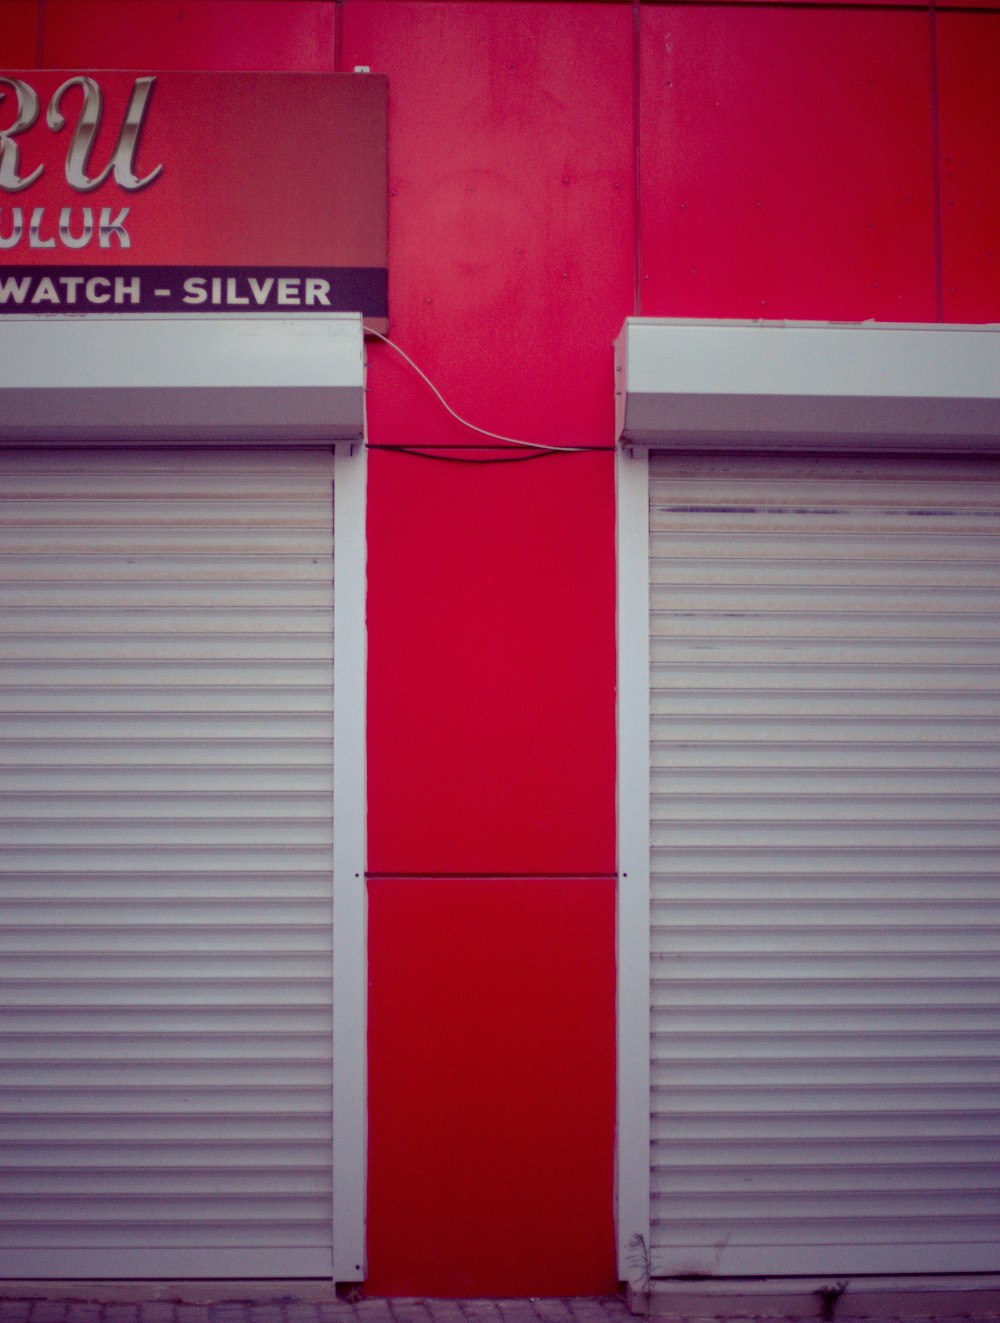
point(700, 384)
point(218, 378)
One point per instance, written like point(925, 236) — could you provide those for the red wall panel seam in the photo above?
point(338, 36)
point(938, 172)
point(637, 154)
point(464, 875)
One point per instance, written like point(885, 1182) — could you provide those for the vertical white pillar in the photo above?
point(633, 1139)
point(350, 1138)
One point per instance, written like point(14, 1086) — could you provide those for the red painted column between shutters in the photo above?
point(491, 1018)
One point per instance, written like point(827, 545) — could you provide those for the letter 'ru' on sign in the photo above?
point(122, 162)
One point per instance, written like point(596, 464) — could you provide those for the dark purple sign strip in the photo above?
point(193, 289)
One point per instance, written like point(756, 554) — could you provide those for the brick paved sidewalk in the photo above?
point(233, 1305)
point(257, 1303)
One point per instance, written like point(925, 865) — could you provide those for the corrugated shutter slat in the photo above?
point(825, 639)
point(166, 876)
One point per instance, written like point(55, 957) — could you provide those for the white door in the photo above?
point(166, 875)
point(825, 865)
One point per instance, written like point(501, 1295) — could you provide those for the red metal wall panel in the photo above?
point(491, 665)
point(510, 213)
point(19, 28)
point(969, 108)
point(492, 1090)
point(491, 645)
point(787, 163)
point(189, 34)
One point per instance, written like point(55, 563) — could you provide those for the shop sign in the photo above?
point(192, 192)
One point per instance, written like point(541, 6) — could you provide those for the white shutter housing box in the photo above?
point(217, 378)
point(700, 384)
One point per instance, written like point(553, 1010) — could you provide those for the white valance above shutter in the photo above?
point(221, 379)
point(701, 385)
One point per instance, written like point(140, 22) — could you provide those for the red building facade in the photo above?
point(555, 167)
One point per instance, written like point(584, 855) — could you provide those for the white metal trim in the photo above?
point(633, 1138)
point(350, 971)
point(224, 379)
point(695, 384)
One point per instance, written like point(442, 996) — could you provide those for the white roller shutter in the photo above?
point(825, 720)
point(166, 709)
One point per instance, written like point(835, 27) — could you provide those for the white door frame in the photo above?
point(350, 927)
point(632, 1165)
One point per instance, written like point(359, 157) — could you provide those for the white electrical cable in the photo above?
point(495, 436)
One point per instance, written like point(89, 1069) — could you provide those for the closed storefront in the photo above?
point(181, 754)
point(168, 860)
point(499, 636)
point(824, 914)
point(825, 702)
